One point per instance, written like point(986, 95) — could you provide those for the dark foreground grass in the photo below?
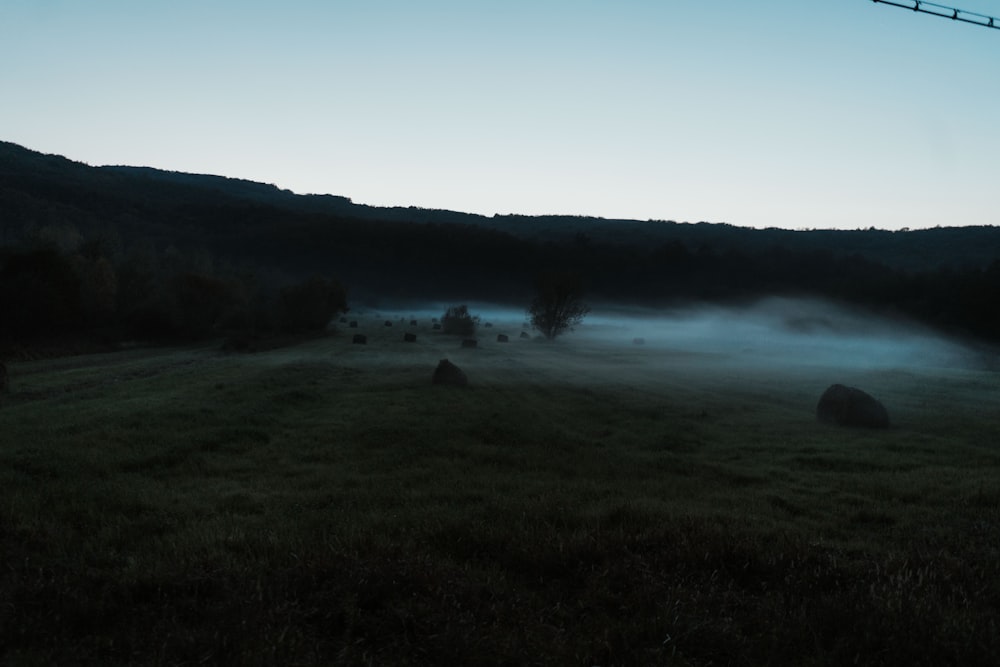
point(317, 506)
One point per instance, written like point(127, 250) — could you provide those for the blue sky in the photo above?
point(806, 114)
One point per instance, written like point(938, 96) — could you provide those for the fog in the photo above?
point(783, 331)
point(773, 332)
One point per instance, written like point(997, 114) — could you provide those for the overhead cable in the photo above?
point(945, 12)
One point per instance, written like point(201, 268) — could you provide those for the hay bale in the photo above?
point(502, 338)
point(353, 324)
point(470, 343)
point(849, 406)
point(448, 373)
point(409, 338)
point(525, 334)
point(360, 339)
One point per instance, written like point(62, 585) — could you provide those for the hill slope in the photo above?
point(46, 189)
point(156, 227)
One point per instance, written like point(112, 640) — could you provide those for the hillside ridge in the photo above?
point(32, 184)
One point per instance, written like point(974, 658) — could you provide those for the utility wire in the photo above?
point(946, 12)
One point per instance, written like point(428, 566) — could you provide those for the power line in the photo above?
point(946, 12)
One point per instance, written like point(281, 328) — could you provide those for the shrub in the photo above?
point(458, 321)
point(311, 304)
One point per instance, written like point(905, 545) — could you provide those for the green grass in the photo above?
point(325, 504)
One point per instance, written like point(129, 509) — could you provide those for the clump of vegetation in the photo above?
point(557, 306)
point(56, 292)
point(311, 304)
point(458, 321)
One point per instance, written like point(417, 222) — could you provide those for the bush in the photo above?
point(458, 321)
point(311, 304)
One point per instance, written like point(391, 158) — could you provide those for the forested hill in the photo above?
point(139, 249)
point(38, 190)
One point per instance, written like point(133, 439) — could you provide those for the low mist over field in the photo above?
point(776, 332)
point(782, 331)
point(780, 350)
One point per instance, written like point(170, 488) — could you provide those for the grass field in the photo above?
point(583, 502)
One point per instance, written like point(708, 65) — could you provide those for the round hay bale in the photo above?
point(502, 338)
point(470, 343)
point(849, 406)
point(448, 373)
point(360, 339)
point(409, 338)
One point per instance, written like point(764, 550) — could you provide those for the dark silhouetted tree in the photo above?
point(311, 304)
point(458, 321)
point(200, 301)
point(98, 289)
point(39, 294)
point(557, 306)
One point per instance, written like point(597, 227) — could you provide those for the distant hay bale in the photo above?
point(353, 324)
point(849, 406)
point(388, 323)
point(525, 334)
point(436, 327)
point(360, 339)
point(409, 338)
point(448, 373)
point(470, 343)
point(502, 338)
point(638, 341)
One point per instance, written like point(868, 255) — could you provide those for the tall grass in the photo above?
point(327, 505)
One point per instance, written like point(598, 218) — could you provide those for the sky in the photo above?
point(838, 114)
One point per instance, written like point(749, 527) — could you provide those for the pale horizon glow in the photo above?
point(845, 114)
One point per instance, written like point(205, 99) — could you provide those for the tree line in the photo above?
point(65, 283)
point(51, 295)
